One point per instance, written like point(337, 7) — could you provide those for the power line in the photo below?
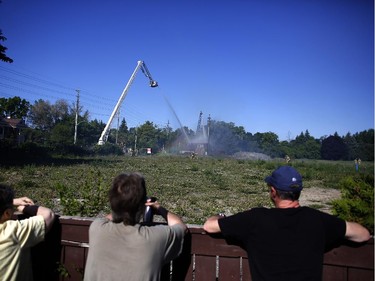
point(33, 88)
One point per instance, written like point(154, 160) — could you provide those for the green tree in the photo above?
point(305, 146)
point(89, 132)
point(3, 49)
point(334, 148)
point(147, 137)
point(14, 107)
point(365, 140)
point(44, 116)
point(285, 148)
point(225, 138)
point(40, 115)
point(121, 135)
point(61, 134)
point(178, 139)
point(268, 143)
point(353, 146)
point(166, 138)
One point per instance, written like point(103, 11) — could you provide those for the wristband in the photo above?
point(162, 212)
point(30, 210)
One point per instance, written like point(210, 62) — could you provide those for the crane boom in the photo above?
point(140, 65)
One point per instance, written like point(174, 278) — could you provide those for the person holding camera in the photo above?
point(124, 248)
point(287, 242)
point(18, 236)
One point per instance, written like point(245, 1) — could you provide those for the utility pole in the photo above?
point(118, 125)
point(76, 121)
point(208, 132)
point(135, 141)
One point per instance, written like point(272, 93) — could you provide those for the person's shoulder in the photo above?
point(313, 211)
point(9, 224)
point(317, 213)
point(34, 220)
point(157, 226)
point(32, 224)
point(258, 210)
point(100, 222)
point(253, 212)
point(177, 228)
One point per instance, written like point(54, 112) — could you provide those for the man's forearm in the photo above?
point(212, 224)
point(170, 217)
point(356, 232)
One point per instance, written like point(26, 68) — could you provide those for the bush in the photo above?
point(69, 150)
point(22, 153)
point(357, 200)
point(108, 149)
point(87, 201)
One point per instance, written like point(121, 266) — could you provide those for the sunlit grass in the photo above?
point(193, 188)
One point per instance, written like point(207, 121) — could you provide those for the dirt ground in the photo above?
point(319, 198)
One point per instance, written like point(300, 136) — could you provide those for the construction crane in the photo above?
point(140, 66)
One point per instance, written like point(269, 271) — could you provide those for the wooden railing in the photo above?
point(205, 257)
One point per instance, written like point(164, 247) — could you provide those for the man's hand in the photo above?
point(22, 201)
point(153, 204)
point(170, 217)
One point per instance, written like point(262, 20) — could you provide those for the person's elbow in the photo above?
point(185, 228)
point(206, 227)
point(356, 232)
point(48, 216)
point(211, 226)
point(182, 224)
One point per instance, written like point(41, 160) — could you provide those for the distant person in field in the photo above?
point(18, 236)
point(357, 162)
point(287, 242)
point(287, 158)
point(123, 248)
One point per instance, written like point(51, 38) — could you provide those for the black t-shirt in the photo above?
point(285, 244)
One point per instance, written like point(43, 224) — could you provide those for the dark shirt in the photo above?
point(285, 244)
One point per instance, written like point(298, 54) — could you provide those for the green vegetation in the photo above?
point(193, 188)
point(357, 202)
point(55, 128)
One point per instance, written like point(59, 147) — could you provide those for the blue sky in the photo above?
point(267, 65)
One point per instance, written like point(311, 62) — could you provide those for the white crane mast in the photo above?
point(140, 65)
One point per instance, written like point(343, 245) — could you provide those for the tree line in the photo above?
point(55, 126)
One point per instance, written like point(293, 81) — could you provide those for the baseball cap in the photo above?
point(285, 178)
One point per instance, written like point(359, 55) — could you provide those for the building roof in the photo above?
point(13, 123)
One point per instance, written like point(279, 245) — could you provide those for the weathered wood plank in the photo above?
point(74, 261)
point(75, 229)
point(198, 259)
point(334, 273)
point(355, 274)
point(205, 268)
point(229, 268)
point(352, 256)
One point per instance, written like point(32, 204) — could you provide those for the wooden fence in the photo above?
point(205, 257)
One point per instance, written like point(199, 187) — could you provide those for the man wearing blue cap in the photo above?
point(287, 242)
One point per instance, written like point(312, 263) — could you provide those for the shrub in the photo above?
point(89, 199)
point(108, 149)
point(68, 150)
point(357, 200)
point(25, 152)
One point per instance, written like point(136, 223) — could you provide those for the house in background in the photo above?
point(10, 129)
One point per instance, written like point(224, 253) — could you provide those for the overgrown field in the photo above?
point(193, 188)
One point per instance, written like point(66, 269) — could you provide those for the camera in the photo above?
point(149, 214)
